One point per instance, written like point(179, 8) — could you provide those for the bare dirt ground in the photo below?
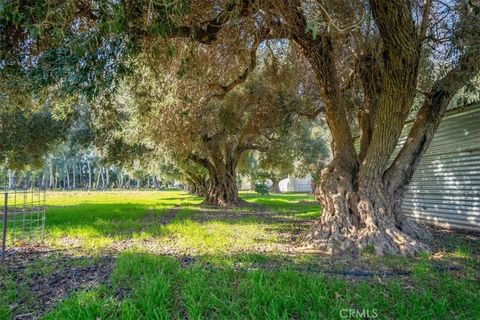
point(49, 276)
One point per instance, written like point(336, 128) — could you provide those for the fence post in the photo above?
point(4, 227)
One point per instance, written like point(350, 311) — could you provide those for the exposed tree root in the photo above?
point(223, 203)
point(357, 218)
point(334, 239)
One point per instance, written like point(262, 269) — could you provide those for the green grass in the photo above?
point(94, 221)
point(178, 259)
point(159, 288)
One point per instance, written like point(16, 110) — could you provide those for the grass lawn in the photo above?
point(162, 255)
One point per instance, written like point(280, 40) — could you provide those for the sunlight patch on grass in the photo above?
point(96, 220)
point(215, 237)
point(86, 238)
point(179, 259)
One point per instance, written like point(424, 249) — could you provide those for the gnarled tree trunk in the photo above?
point(197, 185)
point(221, 165)
point(222, 188)
point(275, 188)
point(360, 208)
point(362, 194)
point(357, 216)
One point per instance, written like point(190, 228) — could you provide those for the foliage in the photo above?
point(167, 113)
point(75, 46)
point(298, 153)
point(261, 189)
point(25, 136)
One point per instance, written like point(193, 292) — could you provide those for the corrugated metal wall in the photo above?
point(445, 189)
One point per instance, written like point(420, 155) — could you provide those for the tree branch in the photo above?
point(207, 33)
point(319, 51)
point(312, 114)
point(251, 146)
point(401, 171)
point(401, 57)
point(425, 19)
point(198, 160)
point(326, 16)
point(244, 75)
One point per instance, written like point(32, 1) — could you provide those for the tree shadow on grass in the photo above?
point(128, 220)
point(127, 225)
point(246, 285)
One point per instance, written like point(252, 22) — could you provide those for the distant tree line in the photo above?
point(84, 171)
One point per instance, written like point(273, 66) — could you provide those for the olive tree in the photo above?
point(368, 58)
point(211, 133)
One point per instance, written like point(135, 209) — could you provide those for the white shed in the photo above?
point(294, 184)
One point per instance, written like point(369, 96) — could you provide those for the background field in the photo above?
point(162, 255)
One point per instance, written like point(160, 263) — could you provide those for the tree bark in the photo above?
point(199, 190)
point(221, 166)
point(97, 183)
point(51, 182)
point(89, 168)
point(197, 184)
point(107, 179)
point(222, 188)
point(154, 182)
point(103, 178)
point(120, 184)
point(67, 180)
point(73, 177)
point(11, 179)
point(275, 188)
point(355, 217)
point(80, 174)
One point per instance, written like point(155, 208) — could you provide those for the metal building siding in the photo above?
point(445, 189)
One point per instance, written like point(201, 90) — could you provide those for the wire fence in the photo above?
point(23, 216)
